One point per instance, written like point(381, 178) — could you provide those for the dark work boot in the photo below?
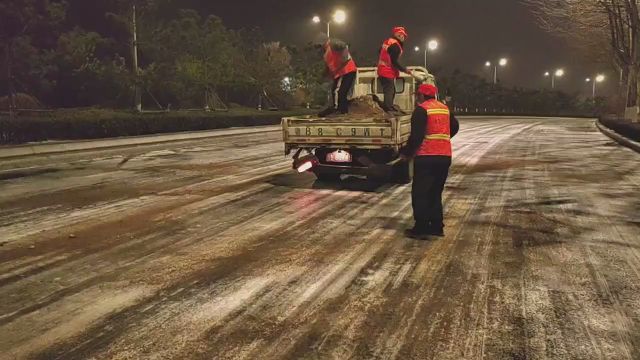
point(417, 233)
point(435, 230)
point(399, 111)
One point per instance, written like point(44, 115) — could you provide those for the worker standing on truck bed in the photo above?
point(342, 69)
point(389, 66)
point(432, 127)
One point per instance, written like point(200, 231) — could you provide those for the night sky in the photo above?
point(470, 33)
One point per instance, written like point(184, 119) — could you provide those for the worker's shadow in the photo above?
point(309, 181)
point(352, 183)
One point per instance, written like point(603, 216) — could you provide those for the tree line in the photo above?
point(185, 59)
point(76, 53)
point(469, 93)
point(602, 29)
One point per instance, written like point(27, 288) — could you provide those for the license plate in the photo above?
point(339, 156)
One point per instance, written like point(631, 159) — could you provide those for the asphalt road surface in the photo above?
point(215, 249)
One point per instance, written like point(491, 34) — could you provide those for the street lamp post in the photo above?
point(554, 75)
point(559, 73)
point(339, 17)
point(138, 91)
point(431, 45)
point(502, 62)
point(597, 79)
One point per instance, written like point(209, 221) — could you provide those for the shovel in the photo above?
point(379, 171)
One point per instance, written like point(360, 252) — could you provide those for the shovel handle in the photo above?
point(393, 162)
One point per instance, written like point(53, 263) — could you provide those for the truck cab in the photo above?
point(349, 144)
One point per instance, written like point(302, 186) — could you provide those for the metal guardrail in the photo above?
point(510, 112)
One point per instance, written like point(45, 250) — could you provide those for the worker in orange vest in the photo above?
point(342, 69)
point(389, 66)
point(429, 145)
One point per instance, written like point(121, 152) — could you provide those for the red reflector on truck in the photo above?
point(305, 166)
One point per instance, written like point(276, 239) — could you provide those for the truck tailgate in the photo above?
point(365, 132)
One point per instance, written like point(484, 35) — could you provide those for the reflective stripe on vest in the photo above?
point(438, 112)
point(385, 67)
point(437, 141)
point(437, 137)
point(335, 62)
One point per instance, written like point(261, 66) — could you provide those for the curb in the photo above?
point(633, 145)
point(71, 146)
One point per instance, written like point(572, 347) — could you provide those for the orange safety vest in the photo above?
point(438, 138)
point(385, 67)
point(335, 62)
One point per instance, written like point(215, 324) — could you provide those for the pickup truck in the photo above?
point(350, 144)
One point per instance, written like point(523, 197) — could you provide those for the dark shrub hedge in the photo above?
point(95, 124)
point(626, 128)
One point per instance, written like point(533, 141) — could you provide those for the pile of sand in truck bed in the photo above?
point(368, 105)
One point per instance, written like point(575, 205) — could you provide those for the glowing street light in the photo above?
point(597, 79)
point(502, 62)
point(431, 45)
point(339, 17)
point(417, 48)
point(559, 73)
point(554, 75)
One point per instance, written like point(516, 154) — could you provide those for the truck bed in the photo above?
point(364, 132)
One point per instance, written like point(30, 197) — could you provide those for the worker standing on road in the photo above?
point(389, 66)
point(342, 69)
point(432, 127)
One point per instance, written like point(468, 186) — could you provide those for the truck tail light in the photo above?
point(305, 166)
point(305, 163)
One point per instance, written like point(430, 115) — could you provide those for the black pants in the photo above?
point(429, 176)
point(342, 84)
point(389, 90)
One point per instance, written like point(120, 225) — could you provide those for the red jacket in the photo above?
point(339, 62)
point(385, 66)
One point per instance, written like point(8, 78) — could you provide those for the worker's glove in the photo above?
point(418, 76)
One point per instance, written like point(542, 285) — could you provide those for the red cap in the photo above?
point(401, 30)
point(428, 90)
